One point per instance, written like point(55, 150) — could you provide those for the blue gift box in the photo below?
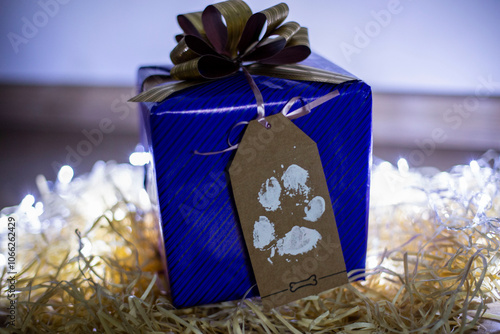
point(206, 256)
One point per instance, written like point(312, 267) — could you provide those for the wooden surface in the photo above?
point(40, 125)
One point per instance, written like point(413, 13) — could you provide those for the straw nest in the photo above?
point(87, 260)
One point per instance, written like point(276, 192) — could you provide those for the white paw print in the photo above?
point(300, 239)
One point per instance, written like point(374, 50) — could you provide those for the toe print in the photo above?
point(294, 179)
point(269, 194)
point(314, 210)
point(263, 233)
point(300, 239)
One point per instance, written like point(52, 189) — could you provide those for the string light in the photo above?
point(139, 158)
point(39, 208)
point(403, 166)
point(27, 202)
point(474, 166)
point(86, 247)
point(65, 174)
point(402, 203)
point(119, 214)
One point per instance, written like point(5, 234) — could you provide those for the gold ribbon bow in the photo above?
point(225, 37)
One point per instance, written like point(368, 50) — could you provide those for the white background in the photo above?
point(427, 47)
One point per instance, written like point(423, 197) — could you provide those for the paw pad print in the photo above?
point(291, 186)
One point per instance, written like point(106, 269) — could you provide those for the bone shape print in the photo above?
point(300, 239)
point(294, 286)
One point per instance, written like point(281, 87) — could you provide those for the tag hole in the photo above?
point(268, 125)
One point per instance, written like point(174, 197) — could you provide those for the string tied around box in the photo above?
point(261, 112)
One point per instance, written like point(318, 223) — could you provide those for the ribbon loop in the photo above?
point(191, 24)
point(235, 13)
point(182, 53)
point(273, 16)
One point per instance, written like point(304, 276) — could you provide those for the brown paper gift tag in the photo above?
point(286, 214)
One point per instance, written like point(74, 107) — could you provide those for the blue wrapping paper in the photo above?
point(206, 256)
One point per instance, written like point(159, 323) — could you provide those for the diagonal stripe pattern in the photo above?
point(206, 255)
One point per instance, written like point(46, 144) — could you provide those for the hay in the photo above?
point(88, 261)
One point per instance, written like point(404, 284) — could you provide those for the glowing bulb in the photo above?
point(474, 167)
point(86, 247)
point(139, 158)
point(484, 202)
point(403, 166)
point(65, 174)
point(119, 214)
point(27, 202)
point(144, 200)
point(39, 208)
